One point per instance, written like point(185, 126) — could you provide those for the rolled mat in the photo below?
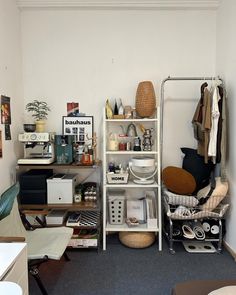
point(188, 233)
point(199, 231)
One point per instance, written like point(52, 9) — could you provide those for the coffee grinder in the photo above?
point(64, 149)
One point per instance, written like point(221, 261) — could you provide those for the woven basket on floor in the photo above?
point(145, 103)
point(137, 239)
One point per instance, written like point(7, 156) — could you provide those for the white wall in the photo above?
point(10, 85)
point(226, 67)
point(91, 55)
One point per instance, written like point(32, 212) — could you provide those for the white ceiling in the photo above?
point(157, 4)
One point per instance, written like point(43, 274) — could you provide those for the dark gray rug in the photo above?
point(123, 271)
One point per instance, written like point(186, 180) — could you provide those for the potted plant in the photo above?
point(40, 111)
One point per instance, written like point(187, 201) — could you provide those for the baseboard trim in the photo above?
point(230, 250)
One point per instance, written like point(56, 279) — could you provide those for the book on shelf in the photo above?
point(73, 219)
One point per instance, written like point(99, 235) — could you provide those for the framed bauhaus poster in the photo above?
point(80, 127)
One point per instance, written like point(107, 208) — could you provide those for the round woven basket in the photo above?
point(137, 239)
point(145, 99)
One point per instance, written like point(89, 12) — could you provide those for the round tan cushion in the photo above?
point(137, 239)
point(178, 180)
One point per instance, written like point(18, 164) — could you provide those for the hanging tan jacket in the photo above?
point(202, 124)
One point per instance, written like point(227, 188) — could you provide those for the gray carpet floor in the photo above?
point(123, 271)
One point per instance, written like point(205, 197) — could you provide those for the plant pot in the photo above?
point(40, 125)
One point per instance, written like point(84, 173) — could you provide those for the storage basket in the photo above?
point(137, 239)
point(145, 99)
point(117, 178)
point(116, 204)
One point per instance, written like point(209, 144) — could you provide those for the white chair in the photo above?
point(42, 243)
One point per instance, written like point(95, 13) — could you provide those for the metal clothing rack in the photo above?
point(162, 100)
point(169, 234)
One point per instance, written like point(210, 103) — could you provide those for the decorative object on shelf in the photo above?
point(145, 99)
point(131, 130)
point(147, 139)
point(137, 144)
point(40, 111)
point(121, 108)
point(137, 239)
point(132, 221)
point(128, 112)
point(143, 169)
point(116, 110)
point(109, 112)
point(113, 143)
point(93, 149)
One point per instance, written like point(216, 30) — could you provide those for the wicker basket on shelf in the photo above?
point(145, 99)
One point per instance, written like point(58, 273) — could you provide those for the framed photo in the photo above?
point(72, 109)
point(5, 110)
point(81, 127)
point(0, 143)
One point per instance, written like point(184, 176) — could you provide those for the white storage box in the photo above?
point(118, 178)
point(61, 188)
point(56, 217)
point(116, 203)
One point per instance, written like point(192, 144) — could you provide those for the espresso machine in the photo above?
point(39, 148)
point(64, 148)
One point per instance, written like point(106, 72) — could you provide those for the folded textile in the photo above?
point(175, 199)
point(182, 211)
point(217, 195)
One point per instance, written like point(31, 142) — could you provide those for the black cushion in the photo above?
point(195, 165)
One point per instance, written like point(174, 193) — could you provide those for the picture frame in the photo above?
point(0, 143)
point(81, 127)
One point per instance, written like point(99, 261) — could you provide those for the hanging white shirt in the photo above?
point(215, 114)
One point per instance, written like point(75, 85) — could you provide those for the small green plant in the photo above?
point(39, 109)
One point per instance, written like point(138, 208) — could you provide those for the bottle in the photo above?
point(115, 108)
point(121, 108)
point(109, 113)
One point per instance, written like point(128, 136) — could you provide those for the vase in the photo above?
point(40, 125)
point(145, 103)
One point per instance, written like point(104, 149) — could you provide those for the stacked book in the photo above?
point(73, 219)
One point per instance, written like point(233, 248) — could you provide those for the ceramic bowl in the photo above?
point(29, 127)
